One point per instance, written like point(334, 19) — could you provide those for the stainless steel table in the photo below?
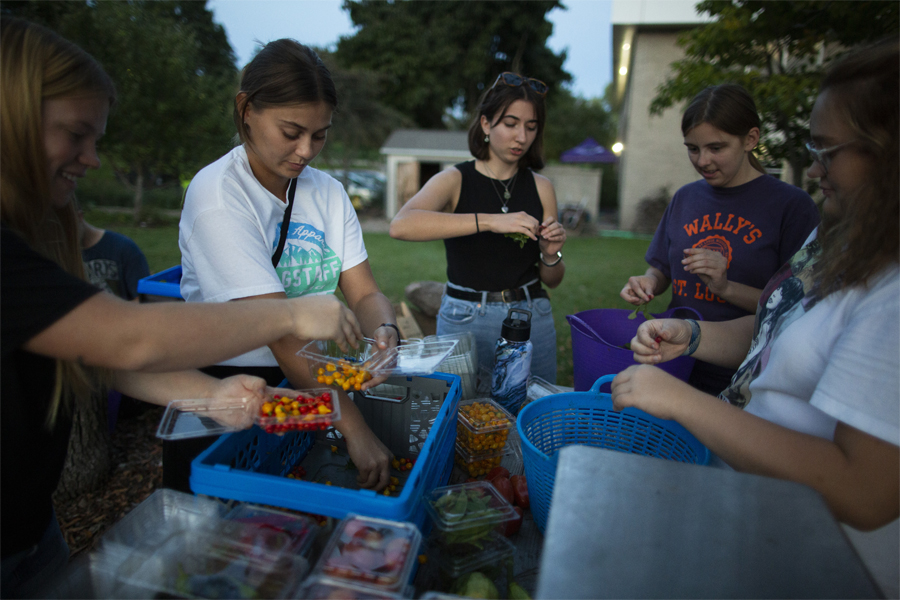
point(627, 526)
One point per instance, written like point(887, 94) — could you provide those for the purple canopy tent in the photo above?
point(588, 151)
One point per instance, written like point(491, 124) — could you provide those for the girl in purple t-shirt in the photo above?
point(722, 237)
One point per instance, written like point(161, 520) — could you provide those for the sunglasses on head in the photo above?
point(514, 80)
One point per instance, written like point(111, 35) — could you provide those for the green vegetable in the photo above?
point(475, 585)
point(517, 592)
point(461, 506)
point(521, 238)
point(643, 310)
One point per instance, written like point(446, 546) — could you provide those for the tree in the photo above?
point(437, 57)
point(175, 77)
point(361, 123)
point(778, 51)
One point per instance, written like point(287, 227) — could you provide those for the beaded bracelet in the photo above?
point(695, 338)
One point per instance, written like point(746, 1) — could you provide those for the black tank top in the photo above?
point(492, 262)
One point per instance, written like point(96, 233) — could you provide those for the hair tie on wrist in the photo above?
point(477, 230)
point(397, 329)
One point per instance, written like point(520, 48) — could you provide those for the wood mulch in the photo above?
point(137, 473)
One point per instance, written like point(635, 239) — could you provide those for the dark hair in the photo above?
point(494, 103)
point(283, 73)
point(864, 88)
point(728, 107)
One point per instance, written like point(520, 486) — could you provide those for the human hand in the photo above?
point(249, 391)
point(517, 222)
point(638, 290)
point(325, 318)
point(710, 266)
point(371, 457)
point(660, 340)
point(552, 236)
point(647, 388)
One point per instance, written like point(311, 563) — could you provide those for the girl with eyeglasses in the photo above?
point(62, 338)
point(814, 399)
point(497, 218)
point(261, 223)
point(722, 237)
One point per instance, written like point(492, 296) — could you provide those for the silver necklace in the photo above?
point(507, 188)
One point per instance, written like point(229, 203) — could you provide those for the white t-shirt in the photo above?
point(813, 364)
point(230, 227)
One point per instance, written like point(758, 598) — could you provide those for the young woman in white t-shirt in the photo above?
point(234, 213)
point(816, 400)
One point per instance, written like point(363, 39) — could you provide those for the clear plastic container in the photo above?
point(465, 515)
point(476, 465)
point(300, 530)
point(332, 366)
point(236, 561)
point(320, 586)
point(495, 550)
point(299, 410)
point(483, 426)
point(163, 513)
point(370, 551)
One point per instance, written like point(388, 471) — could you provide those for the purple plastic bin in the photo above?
point(598, 337)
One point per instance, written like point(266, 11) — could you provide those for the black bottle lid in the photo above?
point(517, 329)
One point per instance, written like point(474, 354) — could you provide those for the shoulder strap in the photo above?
point(284, 224)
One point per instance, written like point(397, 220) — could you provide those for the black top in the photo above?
point(487, 261)
point(36, 293)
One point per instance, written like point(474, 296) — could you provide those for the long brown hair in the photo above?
point(865, 90)
point(283, 73)
point(728, 107)
point(36, 65)
point(493, 106)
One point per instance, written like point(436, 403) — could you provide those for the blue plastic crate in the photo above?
point(166, 284)
point(252, 466)
point(587, 418)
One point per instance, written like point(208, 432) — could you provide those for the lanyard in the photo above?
point(284, 224)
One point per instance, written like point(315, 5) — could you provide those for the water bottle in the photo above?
point(512, 361)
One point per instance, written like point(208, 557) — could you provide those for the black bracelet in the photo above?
point(397, 329)
point(477, 230)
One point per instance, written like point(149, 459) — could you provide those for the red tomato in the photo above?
point(511, 527)
point(520, 490)
point(504, 487)
point(498, 470)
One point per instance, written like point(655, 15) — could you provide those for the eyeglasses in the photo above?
point(514, 80)
point(823, 155)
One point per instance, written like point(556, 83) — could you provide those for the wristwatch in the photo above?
point(554, 263)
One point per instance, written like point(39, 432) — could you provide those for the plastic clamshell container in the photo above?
point(301, 531)
point(414, 357)
point(479, 464)
point(185, 419)
point(455, 518)
point(483, 426)
point(374, 552)
point(538, 388)
point(316, 587)
point(164, 512)
point(495, 549)
point(304, 410)
point(236, 561)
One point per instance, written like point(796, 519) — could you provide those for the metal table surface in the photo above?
point(628, 526)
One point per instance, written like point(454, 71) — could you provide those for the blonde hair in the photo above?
point(36, 65)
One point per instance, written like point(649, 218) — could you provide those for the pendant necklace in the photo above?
point(507, 188)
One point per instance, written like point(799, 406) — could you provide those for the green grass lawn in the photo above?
point(596, 270)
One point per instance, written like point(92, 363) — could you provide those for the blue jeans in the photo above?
point(24, 574)
point(486, 320)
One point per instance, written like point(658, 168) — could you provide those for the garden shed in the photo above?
point(413, 156)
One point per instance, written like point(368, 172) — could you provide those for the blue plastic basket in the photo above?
point(163, 285)
point(587, 418)
point(252, 466)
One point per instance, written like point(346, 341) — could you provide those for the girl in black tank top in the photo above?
point(498, 222)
